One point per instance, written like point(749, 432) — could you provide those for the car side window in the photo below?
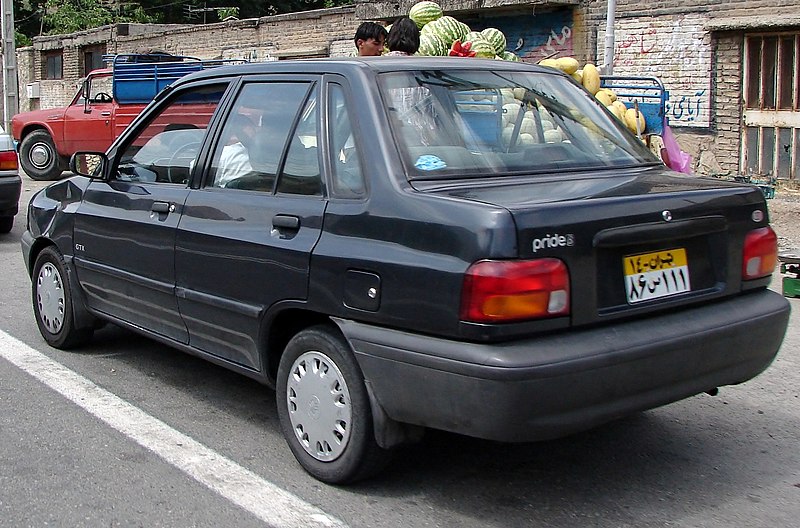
point(348, 179)
point(255, 135)
point(164, 151)
point(301, 171)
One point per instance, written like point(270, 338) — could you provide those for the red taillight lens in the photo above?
point(760, 253)
point(8, 160)
point(497, 291)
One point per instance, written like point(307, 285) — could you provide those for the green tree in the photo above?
point(42, 17)
point(67, 16)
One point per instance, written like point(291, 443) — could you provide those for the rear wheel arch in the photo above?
point(280, 329)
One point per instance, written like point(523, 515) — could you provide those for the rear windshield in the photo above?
point(452, 124)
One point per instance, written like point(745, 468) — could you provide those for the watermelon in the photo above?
point(463, 30)
point(496, 38)
point(510, 56)
point(472, 36)
point(446, 28)
point(423, 12)
point(483, 49)
point(432, 45)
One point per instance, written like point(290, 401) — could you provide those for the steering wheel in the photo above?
point(102, 97)
point(186, 154)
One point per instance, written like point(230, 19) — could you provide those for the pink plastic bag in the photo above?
point(673, 156)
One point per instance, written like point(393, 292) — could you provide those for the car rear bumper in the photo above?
point(10, 188)
point(557, 384)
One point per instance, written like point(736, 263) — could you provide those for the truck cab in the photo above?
point(105, 104)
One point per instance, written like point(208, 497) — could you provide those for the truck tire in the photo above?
point(38, 156)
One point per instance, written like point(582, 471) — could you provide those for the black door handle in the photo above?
point(161, 207)
point(285, 222)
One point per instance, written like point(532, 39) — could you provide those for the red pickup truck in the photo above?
point(108, 100)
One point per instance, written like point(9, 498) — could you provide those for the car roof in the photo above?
point(362, 65)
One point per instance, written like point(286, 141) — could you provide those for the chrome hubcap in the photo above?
point(40, 155)
point(319, 406)
point(50, 298)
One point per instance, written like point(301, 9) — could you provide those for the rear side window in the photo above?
point(348, 180)
point(256, 134)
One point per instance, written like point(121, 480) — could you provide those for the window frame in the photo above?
point(55, 57)
point(762, 153)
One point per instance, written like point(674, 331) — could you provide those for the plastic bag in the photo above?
point(673, 156)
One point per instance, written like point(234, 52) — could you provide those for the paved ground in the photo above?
point(784, 212)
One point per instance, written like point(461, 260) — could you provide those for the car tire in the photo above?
point(324, 408)
point(52, 302)
point(38, 156)
point(6, 223)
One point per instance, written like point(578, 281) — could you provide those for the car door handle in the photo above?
point(105, 114)
point(285, 222)
point(162, 207)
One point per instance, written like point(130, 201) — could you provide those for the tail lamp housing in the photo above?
point(499, 291)
point(760, 254)
point(8, 160)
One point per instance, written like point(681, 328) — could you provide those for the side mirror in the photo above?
point(89, 164)
point(86, 87)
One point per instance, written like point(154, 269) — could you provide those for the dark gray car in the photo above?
point(400, 244)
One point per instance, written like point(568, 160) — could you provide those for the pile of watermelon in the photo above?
point(442, 35)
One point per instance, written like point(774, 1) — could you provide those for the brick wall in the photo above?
point(702, 68)
point(281, 36)
point(677, 50)
point(294, 35)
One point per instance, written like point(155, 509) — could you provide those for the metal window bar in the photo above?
point(770, 146)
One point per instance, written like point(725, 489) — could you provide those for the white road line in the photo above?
point(241, 486)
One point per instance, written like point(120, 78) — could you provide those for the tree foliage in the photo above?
point(68, 16)
point(48, 17)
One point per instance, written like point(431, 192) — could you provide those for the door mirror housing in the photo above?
point(89, 164)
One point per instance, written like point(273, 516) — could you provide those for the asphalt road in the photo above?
point(127, 432)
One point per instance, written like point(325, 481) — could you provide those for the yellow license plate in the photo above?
point(654, 275)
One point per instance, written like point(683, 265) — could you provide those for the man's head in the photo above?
point(369, 39)
point(243, 129)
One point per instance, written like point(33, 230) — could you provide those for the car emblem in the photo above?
point(666, 215)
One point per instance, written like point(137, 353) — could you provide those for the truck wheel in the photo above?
point(38, 156)
point(6, 223)
point(324, 409)
point(52, 302)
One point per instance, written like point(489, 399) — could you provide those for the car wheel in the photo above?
point(52, 302)
point(324, 409)
point(38, 156)
point(6, 223)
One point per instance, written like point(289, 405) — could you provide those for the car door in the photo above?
point(125, 226)
point(89, 125)
point(246, 235)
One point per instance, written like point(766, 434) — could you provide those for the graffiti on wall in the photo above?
point(534, 37)
point(678, 51)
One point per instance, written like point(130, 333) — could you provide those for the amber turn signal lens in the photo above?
point(503, 291)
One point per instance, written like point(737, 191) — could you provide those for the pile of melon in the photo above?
point(442, 35)
point(589, 77)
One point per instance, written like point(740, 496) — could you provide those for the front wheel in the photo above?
point(324, 409)
point(38, 156)
point(52, 302)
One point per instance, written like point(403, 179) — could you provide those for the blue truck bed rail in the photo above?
point(647, 93)
point(137, 78)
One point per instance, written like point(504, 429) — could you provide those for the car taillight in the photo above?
point(497, 291)
point(760, 253)
point(8, 160)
